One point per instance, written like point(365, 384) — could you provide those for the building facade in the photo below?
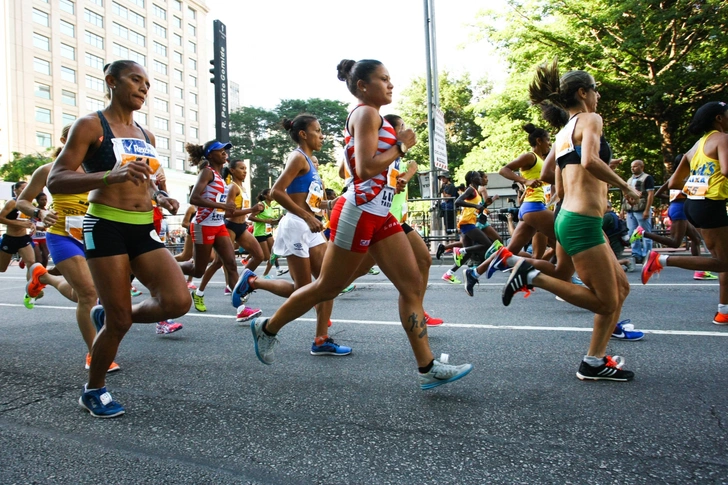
point(53, 53)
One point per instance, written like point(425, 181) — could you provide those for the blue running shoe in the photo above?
point(100, 403)
point(98, 316)
point(265, 345)
point(498, 263)
point(625, 331)
point(242, 288)
point(329, 347)
point(442, 374)
point(576, 280)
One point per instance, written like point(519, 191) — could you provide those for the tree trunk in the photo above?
point(667, 148)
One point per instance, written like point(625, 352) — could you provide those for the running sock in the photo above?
point(86, 389)
point(426, 369)
point(512, 260)
point(723, 309)
point(475, 273)
point(593, 361)
point(241, 308)
point(199, 293)
point(265, 330)
point(449, 272)
point(663, 259)
point(531, 275)
point(320, 340)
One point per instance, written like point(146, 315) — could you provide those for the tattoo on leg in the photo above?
point(414, 324)
point(412, 320)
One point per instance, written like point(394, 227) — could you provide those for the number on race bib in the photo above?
point(696, 187)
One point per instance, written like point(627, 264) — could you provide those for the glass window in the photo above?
point(191, 63)
point(160, 67)
point(177, 56)
point(177, 39)
point(161, 86)
point(137, 38)
point(42, 66)
point(94, 61)
point(179, 128)
point(163, 142)
point(68, 28)
point(68, 97)
point(191, 46)
point(179, 146)
point(192, 80)
point(159, 30)
point(179, 93)
point(127, 14)
point(42, 115)
point(177, 22)
point(161, 105)
point(192, 115)
point(100, 3)
point(179, 110)
point(177, 4)
point(179, 164)
point(160, 49)
point(164, 160)
point(67, 6)
point(95, 83)
point(40, 17)
point(43, 139)
point(93, 104)
point(68, 119)
point(193, 132)
point(192, 12)
point(193, 98)
point(140, 117)
point(191, 30)
point(42, 91)
point(177, 74)
point(138, 2)
point(93, 18)
point(94, 40)
point(68, 74)
point(159, 12)
point(41, 42)
point(124, 53)
point(161, 123)
point(68, 52)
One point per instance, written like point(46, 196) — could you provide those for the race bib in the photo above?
point(696, 187)
point(132, 150)
point(674, 194)
point(221, 199)
point(246, 201)
point(393, 173)
point(268, 228)
point(315, 195)
point(74, 227)
point(387, 196)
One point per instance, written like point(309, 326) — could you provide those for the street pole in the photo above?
point(433, 96)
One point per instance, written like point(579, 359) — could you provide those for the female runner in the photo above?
point(263, 223)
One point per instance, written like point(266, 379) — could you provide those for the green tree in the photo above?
point(657, 61)
point(21, 167)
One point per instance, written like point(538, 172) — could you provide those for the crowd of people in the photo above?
point(104, 227)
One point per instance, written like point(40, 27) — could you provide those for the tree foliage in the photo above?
point(21, 167)
point(257, 134)
point(656, 60)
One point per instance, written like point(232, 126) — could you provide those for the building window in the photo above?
point(68, 119)
point(192, 30)
point(179, 164)
point(159, 30)
point(124, 53)
point(179, 146)
point(177, 56)
point(192, 115)
point(95, 83)
point(42, 115)
point(42, 91)
point(177, 39)
point(138, 2)
point(41, 42)
point(163, 142)
point(131, 35)
point(179, 93)
point(41, 66)
point(68, 97)
point(193, 132)
point(192, 13)
point(140, 117)
point(191, 63)
point(68, 52)
point(127, 14)
point(161, 123)
point(159, 12)
point(93, 104)
point(67, 6)
point(43, 139)
point(193, 98)
point(177, 4)
point(177, 22)
point(93, 18)
point(68, 28)
point(179, 128)
point(161, 86)
point(177, 74)
point(40, 17)
point(192, 80)
point(191, 46)
point(161, 105)
point(94, 40)
point(160, 49)
point(94, 61)
point(68, 74)
point(160, 67)
point(163, 160)
point(100, 3)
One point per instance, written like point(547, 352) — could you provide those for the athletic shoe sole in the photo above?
point(432, 385)
point(333, 354)
point(102, 416)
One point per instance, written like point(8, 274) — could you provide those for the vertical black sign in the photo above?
point(219, 71)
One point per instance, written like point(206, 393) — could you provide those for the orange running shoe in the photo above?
point(112, 368)
point(34, 286)
point(651, 266)
point(720, 319)
point(433, 322)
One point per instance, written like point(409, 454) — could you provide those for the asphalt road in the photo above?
point(200, 408)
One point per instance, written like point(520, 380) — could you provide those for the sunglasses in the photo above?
point(594, 87)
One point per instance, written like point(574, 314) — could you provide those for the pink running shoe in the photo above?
point(248, 314)
point(168, 326)
point(191, 286)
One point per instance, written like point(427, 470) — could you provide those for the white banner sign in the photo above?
point(440, 146)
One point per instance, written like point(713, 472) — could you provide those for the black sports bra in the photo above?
point(574, 158)
point(103, 158)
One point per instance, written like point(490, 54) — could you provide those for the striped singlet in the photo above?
point(215, 191)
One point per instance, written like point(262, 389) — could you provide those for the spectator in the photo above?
point(447, 207)
point(640, 214)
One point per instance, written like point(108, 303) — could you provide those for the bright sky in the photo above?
point(285, 49)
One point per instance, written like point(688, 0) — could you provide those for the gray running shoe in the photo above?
point(442, 374)
point(265, 346)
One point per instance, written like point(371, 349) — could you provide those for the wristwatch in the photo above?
point(402, 147)
point(36, 214)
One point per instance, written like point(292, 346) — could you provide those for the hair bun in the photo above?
point(344, 69)
point(287, 124)
point(529, 128)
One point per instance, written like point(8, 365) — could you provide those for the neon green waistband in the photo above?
point(120, 215)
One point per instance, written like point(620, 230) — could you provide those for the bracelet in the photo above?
point(160, 192)
point(106, 182)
